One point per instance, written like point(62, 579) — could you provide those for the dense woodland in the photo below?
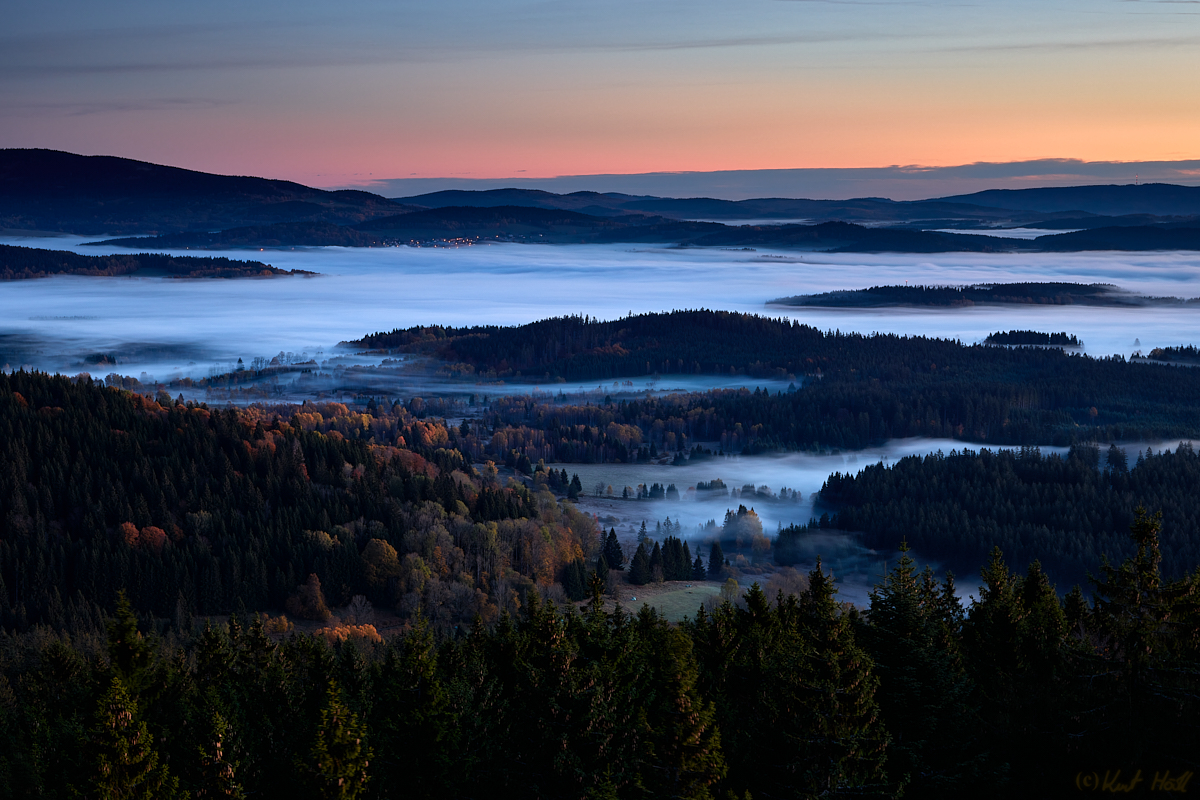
point(1037, 338)
point(1145, 237)
point(1067, 512)
point(791, 696)
point(854, 391)
point(23, 263)
point(1057, 294)
point(199, 511)
point(127, 520)
point(313, 233)
point(1183, 353)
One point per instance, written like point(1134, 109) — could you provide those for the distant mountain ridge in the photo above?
point(1158, 199)
point(51, 190)
point(867, 209)
point(524, 224)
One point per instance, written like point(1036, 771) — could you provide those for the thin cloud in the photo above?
point(88, 108)
point(1095, 44)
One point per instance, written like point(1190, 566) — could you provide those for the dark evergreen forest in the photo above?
point(1068, 512)
point(145, 545)
point(23, 263)
point(854, 390)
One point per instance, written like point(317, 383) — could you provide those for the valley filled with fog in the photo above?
point(170, 327)
point(161, 329)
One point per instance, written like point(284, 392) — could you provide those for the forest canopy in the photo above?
point(23, 263)
point(851, 390)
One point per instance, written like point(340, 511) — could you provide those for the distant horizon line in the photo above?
point(897, 183)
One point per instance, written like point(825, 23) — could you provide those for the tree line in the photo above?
point(1017, 693)
point(23, 263)
point(1066, 511)
point(853, 390)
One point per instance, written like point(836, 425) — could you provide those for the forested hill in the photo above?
point(866, 209)
point(1055, 294)
point(49, 190)
point(1159, 199)
point(526, 224)
point(22, 263)
point(855, 390)
point(1064, 511)
point(1033, 338)
point(199, 511)
point(496, 679)
point(1130, 238)
point(281, 234)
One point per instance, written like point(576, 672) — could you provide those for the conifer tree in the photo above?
point(639, 568)
point(845, 748)
point(126, 764)
point(218, 767)
point(602, 568)
point(685, 755)
point(1149, 628)
point(340, 755)
point(991, 632)
point(698, 571)
point(575, 580)
point(612, 551)
point(130, 653)
point(923, 694)
point(656, 564)
point(716, 561)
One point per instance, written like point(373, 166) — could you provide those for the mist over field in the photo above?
point(168, 327)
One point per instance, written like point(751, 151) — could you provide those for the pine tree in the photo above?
point(600, 576)
point(847, 747)
point(698, 571)
point(656, 564)
point(716, 561)
point(218, 769)
point(127, 765)
point(340, 755)
point(1149, 628)
point(685, 755)
point(612, 551)
point(990, 634)
point(923, 694)
point(131, 655)
point(639, 568)
point(575, 580)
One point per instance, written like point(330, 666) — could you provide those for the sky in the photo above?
point(846, 93)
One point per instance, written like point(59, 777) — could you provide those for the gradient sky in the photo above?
point(335, 94)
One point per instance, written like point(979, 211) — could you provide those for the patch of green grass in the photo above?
point(678, 603)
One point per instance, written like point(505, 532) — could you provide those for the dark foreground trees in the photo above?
point(795, 696)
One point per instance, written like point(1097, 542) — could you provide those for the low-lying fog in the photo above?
point(856, 568)
point(163, 326)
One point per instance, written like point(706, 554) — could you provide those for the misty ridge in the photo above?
point(1054, 294)
point(49, 191)
point(25, 263)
